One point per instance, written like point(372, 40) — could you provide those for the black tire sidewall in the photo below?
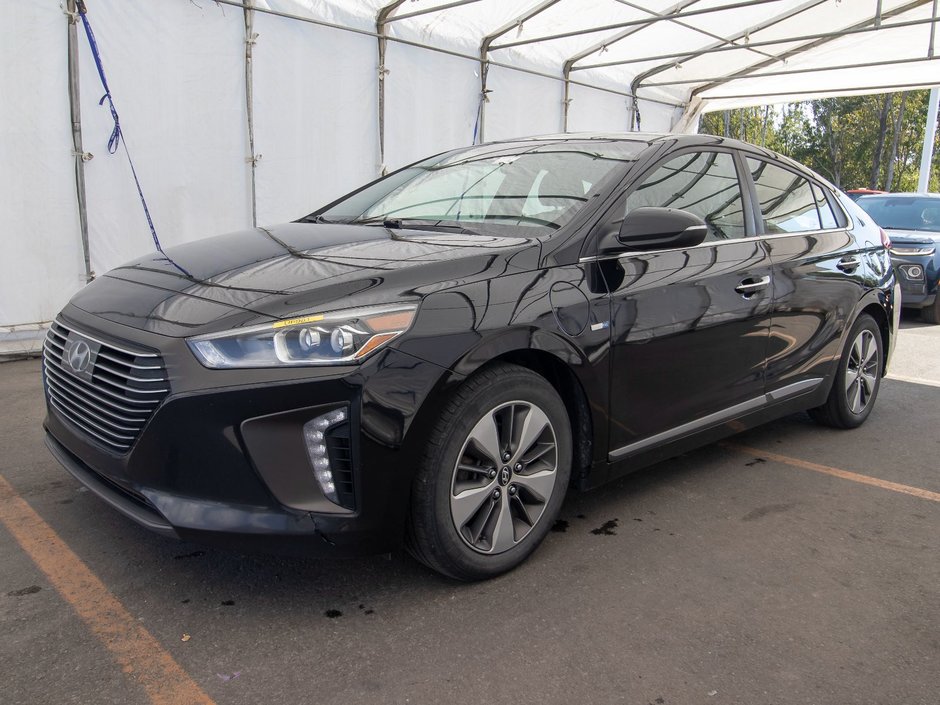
point(931, 314)
point(463, 561)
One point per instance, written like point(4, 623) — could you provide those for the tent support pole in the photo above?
point(484, 97)
point(679, 23)
point(381, 23)
point(250, 38)
point(439, 50)
point(718, 80)
point(829, 91)
point(686, 56)
point(933, 29)
point(868, 24)
point(635, 23)
point(602, 46)
point(605, 44)
point(75, 110)
point(487, 43)
point(429, 10)
point(766, 24)
point(566, 101)
point(930, 131)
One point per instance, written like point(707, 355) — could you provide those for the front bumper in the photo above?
point(222, 460)
point(269, 529)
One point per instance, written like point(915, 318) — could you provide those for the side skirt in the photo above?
point(708, 429)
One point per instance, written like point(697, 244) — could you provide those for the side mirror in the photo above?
point(656, 229)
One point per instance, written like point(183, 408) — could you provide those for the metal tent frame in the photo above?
point(677, 13)
point(693, 95)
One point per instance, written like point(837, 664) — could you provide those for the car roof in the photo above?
point(679, 140)
point(647, 137)
point(652, 138)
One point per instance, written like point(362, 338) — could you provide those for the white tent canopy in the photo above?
point(239, 112)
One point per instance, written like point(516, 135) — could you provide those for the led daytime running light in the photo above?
point(315, 439)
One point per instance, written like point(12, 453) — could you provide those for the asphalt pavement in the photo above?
point(790, 564)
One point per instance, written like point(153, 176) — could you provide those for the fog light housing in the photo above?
point(913, 271)
point(315, 432)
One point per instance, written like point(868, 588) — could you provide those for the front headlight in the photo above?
point(327, 339)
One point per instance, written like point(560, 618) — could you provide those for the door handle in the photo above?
point(849, 264)
point(750, 286)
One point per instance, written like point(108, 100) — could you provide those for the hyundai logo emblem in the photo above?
point(504, 475)
point(79, 355)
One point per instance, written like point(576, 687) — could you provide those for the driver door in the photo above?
point(689, 326)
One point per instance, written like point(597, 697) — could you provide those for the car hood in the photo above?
point(271, 273)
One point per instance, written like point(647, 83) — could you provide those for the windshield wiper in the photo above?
point(315, 219)
point(382, 220)
point(412, 223)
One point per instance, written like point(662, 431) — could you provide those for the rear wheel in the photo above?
point(857, 380)
point(494, 475)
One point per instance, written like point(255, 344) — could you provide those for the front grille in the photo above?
point(112, 398)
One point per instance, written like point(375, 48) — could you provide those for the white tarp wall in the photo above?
point(41, 255)
point(176, 70)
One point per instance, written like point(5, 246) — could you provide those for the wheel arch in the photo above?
point(569, 388)
point(877, 312)
point(563, 365)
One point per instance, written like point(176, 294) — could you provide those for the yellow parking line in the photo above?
point(135, 649)
point(913, 380)
point(835, 472)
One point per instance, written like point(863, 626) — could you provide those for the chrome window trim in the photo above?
point(712, 243)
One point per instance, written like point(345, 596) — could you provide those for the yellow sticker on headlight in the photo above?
point(297, 321)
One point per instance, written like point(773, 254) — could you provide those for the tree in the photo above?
point(880, 146)
point(845, 139)
point(892, 160)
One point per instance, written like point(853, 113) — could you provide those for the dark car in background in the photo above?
point(913, 224)
point(435, 358)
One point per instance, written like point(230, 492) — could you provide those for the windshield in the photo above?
point(530, 188)
point(903, 213)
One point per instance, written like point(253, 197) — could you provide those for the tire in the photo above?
point(931, 314)
point(856, 386)
point(472, 517)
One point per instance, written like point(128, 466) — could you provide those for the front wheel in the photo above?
point(494, 475)
point(858, 378)
point(931, 314)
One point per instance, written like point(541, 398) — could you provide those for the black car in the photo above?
point(434, 359)
point(913, 224)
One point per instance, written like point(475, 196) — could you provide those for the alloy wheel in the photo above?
point(504, 477)
point(861, 372)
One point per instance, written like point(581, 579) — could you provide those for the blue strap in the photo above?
point(116, 134)
point(480, 109)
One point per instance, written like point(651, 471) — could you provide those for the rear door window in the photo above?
point(826, 217)
point(787, 201)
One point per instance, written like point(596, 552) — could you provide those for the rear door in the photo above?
point(817, 274)
point(689, 325)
